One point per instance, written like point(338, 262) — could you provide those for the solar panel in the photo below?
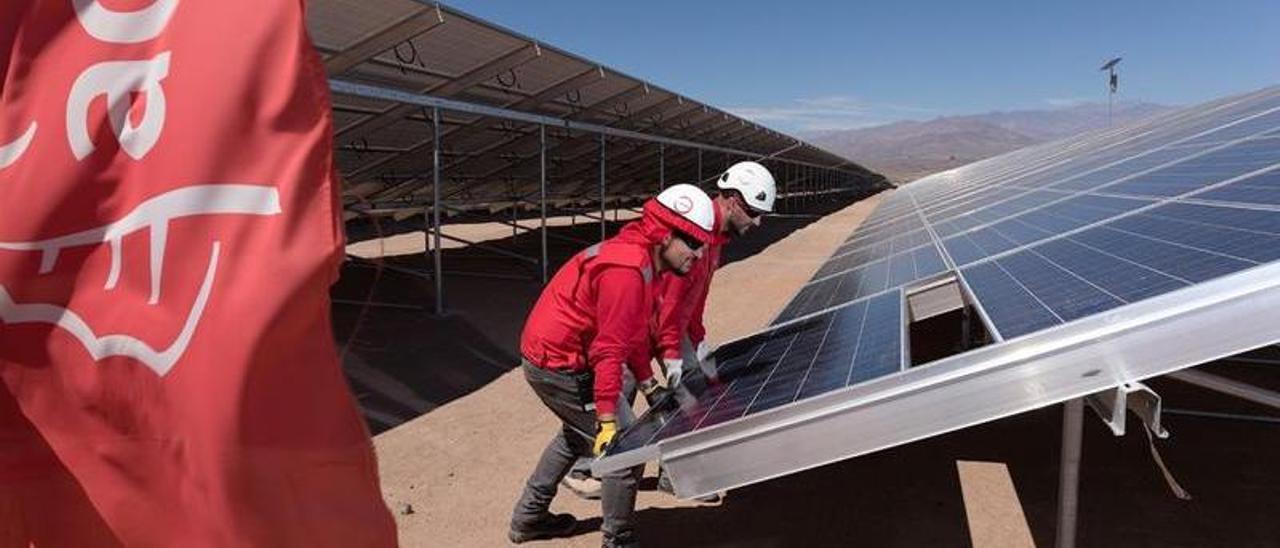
point(854, 343)
point(1094, 261)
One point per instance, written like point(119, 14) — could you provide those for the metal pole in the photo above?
point(602, 221)
point(542, 181)
point(1111, 93)
point(1244, 391)
point(435, 208)
point(1069, 472)
point(662, 166)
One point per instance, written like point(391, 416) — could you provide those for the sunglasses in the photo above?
point(745, 207)
point(693, 243)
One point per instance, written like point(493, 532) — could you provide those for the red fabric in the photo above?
point(212, 238)
point(683, 299)
point(656, 211)
point(595, 313)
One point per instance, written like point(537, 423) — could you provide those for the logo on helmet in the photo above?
point(684, 204)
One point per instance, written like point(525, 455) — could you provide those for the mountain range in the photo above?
point(907, 150)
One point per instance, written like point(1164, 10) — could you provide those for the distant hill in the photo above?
point(905, 151)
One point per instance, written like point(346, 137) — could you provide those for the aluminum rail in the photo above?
point(1145, 339)
point(403, 97)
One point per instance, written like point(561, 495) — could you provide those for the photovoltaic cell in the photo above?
point(1195, 173)
point(846, 346)
point(1122, 261)
point(1263, 189)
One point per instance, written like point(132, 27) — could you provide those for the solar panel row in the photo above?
point(1040, 237)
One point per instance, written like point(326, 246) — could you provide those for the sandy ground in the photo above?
point(416, 242)
point(452, 474)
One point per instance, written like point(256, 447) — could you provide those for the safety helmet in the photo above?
point(754, 182)
point(685, 208)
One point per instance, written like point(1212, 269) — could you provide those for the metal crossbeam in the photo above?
point(421, 22)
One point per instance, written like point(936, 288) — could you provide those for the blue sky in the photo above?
point(826, 65)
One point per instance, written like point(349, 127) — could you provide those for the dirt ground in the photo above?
point(460, 432)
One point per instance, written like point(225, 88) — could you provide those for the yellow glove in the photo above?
point(604, 435)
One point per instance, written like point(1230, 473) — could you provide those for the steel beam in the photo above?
point(542, 199)
point(1230, 387)
point(438, 257)
point(417, 24)
point(489, 69)
point(1069, 472)
point(602, 184)
point(1141, 340)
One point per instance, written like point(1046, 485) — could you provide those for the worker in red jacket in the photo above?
point(592, 321)
point(747, 192)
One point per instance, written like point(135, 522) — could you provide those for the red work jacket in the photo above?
point(595, 314)
point(683, 299)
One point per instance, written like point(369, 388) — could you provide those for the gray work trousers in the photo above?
point(568, 396)
point(625, 416)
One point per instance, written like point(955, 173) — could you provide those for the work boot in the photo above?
point(582, 484)
point(548, 526)
point(625, 539)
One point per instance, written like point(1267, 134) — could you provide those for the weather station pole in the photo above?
point(1113, 83)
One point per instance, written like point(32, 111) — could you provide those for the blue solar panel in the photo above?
point(1128, 167)
point(1041, 237)
point(1196, 173)
point(1261, 189)
point(1122, 261)
point(846, 346)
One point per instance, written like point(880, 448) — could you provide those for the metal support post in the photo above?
point(602, 220)
point(1229, 387)
point(435, 209)
point(542, 193)
point(662, 167)
point(1069, 472)
point(699, 166)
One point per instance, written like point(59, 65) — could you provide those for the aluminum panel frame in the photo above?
point(1128, 344)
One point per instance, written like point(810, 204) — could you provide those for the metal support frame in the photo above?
point(542, 186)
point(1134, 342)
point(1230, 387)
point(438, 258)
point(487, 247)
point(602, 219)
point(1069, 472)
point(1111, 406)
point(700, 180)
point(662, 166)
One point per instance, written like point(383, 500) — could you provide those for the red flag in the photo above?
point(168, 233)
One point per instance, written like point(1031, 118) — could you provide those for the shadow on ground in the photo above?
point(911, 496)
point(404, 360)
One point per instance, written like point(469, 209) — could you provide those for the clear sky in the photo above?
point(826, 65)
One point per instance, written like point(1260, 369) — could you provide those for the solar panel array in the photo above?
point(1040, 237)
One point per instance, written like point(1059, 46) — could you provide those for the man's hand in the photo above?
point(674, 369)
point(704, 350)
point(605, 431)
point(652, 391)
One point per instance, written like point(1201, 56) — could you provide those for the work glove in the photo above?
point(674, 369)
point(605, 431)
point(652, 391)
point(704, 350)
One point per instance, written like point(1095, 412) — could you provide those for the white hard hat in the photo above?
point(694, 214)
point(754, 182)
